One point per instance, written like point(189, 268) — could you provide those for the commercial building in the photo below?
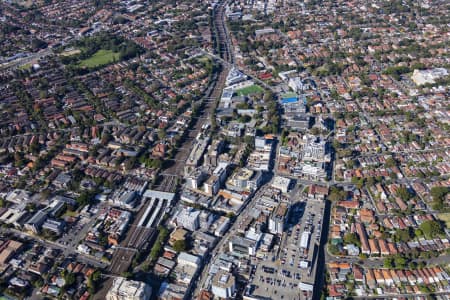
point(242, 247)
point(277, 219)
point(195, 179)
point(212, 185)
point(123, 289)
point(281, 183)
point(186, 259)
point(296, 84)
point(221, 171)
point(18, 196)
point(261, 158)
point(292, 109)
point(124, 198)
point(188, 218)
point(245, 179)
point(315, 171)
point(196, 155)
point(223, 285)
point(235, 76)
point(315, 149)
point(300, 122)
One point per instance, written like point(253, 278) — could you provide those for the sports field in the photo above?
point(253, 89)
point(101, 57)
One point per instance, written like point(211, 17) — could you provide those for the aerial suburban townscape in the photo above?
point(226, 149)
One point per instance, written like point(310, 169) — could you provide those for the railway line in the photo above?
point(211, 97)
point(149, 217)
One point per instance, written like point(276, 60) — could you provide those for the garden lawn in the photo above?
point(445, 217)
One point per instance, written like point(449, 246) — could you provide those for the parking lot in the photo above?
point(71, 234)
point(294, 260)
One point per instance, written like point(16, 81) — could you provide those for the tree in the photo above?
point(180, 245)
point(161, 133)
point(403, 235)
point(352, 238)
point(106, 137)
point(268, 96)
point(18, 159)
point(38, 282)
point(418, 233)
point(439, 194)
point(126, 274)
point(85, 198)
point(315, 131)
point(388, 263)
point(390, 162)
point(93, 280)
point(69, 279)
point(333, 249)
point(337, 194)
point(157, 246)
point(230, 215)
point(424, 289)
point(154, 252)
point(403, 193)
point(400, 262)
point(431, 229)
point(129, 163)
point(370, 181)
point(38, 44)
point(359, 182)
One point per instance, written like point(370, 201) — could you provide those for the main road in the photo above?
point(200, 283)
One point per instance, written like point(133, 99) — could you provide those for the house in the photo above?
point(360, 230)
point(317, 192)
point(373, 245)
point(358, 274)
point(384, 248)
point(370, 278)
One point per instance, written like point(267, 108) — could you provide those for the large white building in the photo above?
point(281, 183)
point(188, 218)
point(296, 84)
point(261, 157)
point(244, 179)
point(313, 171)
point(123, 289)
point(314, 149)
point(242, 247)
point(223, 285)
point(186, 259)
point(421, 77)
point(277, 219)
